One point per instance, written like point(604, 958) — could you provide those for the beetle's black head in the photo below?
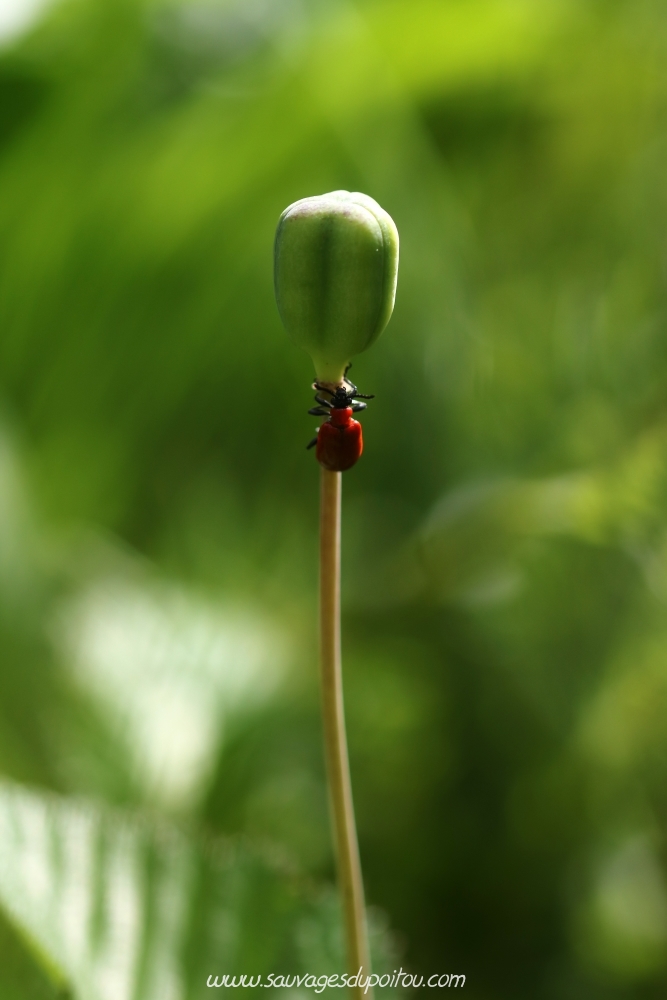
point(342, 397)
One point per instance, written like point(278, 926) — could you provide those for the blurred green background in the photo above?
point(505, 535)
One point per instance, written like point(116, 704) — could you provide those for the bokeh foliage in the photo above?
point(505, 533)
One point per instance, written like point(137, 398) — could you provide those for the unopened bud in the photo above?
point(336, 263)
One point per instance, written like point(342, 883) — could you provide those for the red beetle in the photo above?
point(339, 441)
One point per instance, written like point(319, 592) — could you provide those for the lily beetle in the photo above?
point(339, 442)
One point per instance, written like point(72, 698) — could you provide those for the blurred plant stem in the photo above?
point(335, 742)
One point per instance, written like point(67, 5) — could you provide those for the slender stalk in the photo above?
point(335, 742)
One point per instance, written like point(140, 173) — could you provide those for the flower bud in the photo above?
point(335, 269)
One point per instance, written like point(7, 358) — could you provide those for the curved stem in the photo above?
point(335, 742)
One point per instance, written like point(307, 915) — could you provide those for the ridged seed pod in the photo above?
point(335, 269)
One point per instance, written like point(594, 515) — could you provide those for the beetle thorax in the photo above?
point(340, 417)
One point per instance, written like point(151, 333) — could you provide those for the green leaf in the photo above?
point(129, 909)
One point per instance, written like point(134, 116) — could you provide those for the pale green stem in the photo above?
point(335, 742)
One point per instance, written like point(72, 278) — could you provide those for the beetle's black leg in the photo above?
point(323, 402)
point(323, 388)
point(319, 411)
point(312, 443)
point(359, 406)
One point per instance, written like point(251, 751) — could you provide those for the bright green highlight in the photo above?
point(336, 265)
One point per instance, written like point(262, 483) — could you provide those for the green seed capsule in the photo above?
point(335, 268)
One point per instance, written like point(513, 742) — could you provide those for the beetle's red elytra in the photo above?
point(339, 441)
